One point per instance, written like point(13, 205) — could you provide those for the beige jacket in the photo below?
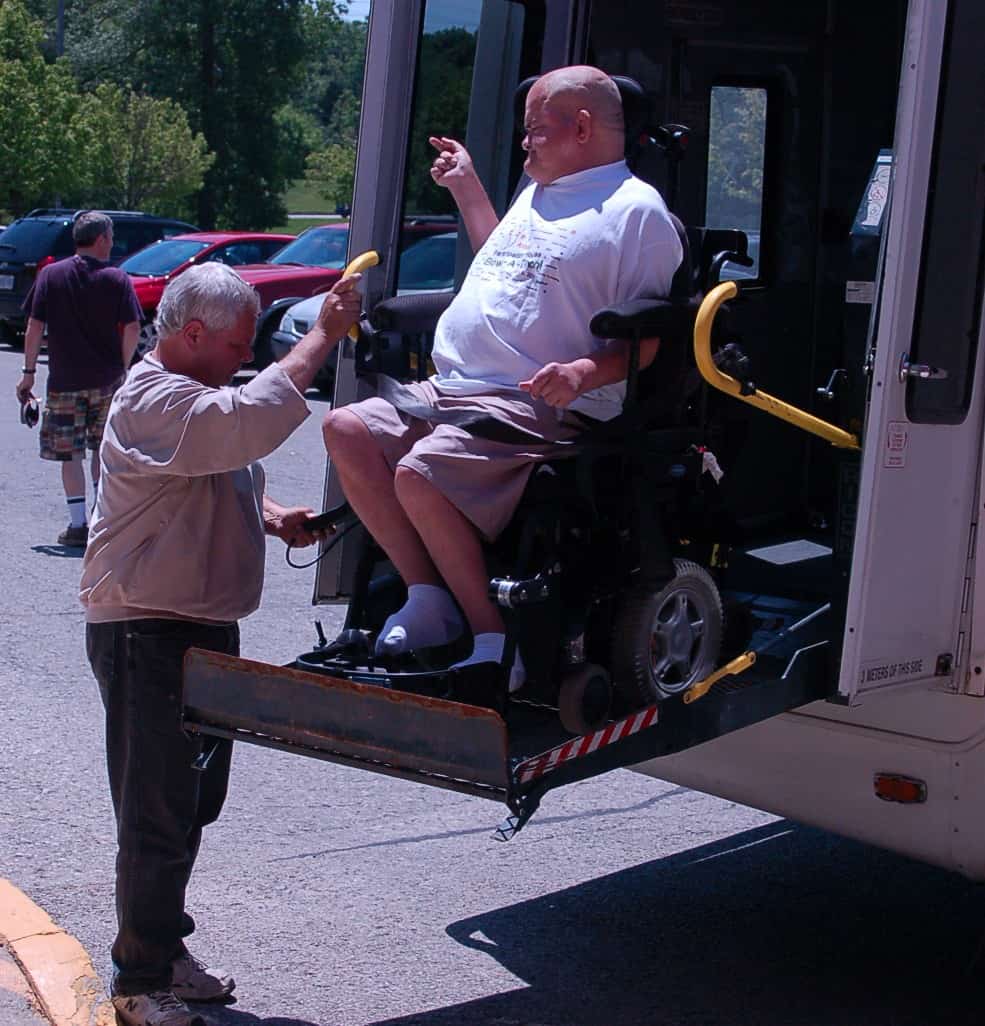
point(177, 530)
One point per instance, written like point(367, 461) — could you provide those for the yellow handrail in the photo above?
point(356, 266)
point(725, 383)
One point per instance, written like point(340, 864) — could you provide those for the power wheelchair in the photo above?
point(592, 580)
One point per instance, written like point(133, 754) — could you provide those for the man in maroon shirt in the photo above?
point(82, 302)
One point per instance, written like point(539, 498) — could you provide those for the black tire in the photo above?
point(263, 353)
point(325, 383)
point(9, 336)
point(584, 699)
point(664, 641)
point(147, 339)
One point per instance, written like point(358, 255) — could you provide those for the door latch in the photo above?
point(827, 392)
point(923, 371)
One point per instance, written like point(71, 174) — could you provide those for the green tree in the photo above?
point(264, 81)
point(231, 66)
point(736, 148)
point(41, 152)
point(300, 134)
point(441, 107)
point(336, 57)
point(142, 153)
point(332, 170)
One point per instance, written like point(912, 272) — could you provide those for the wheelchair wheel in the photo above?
point(584, 699)
point(664, 641)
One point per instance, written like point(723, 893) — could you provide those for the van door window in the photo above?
point(462, 92)
point(736, 161)
point(947, 321)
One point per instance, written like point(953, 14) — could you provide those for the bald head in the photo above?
point(573, 121)
point(587, 88)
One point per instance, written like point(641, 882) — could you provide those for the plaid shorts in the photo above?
point(74, 421)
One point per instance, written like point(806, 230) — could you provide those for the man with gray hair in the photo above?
point(175, 560)
point(83, 303)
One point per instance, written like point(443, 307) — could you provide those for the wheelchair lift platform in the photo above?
point(513, 756)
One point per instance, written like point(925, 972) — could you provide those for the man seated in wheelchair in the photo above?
point(513, 353)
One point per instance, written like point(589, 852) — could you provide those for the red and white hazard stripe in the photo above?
point(585, 745)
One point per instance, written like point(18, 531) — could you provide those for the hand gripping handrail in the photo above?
point(725, 383)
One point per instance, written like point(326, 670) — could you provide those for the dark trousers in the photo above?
point(161, 803)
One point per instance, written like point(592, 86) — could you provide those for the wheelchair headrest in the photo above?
point(635, 109)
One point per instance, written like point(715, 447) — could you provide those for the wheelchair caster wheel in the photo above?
point(584, 699)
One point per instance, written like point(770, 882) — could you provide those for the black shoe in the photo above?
point(75, 537)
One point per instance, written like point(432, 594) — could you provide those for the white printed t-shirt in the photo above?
point(561, 253)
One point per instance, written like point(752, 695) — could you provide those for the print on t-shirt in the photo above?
point(526, 254)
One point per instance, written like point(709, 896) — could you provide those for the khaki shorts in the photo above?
point(74, 421)
point(482, 477)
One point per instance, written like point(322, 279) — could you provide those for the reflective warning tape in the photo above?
point(585, 745)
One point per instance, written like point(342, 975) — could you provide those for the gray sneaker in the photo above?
point(160, 1008)
point(194, 981)
point(75, 537)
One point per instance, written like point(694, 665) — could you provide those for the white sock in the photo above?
point(77, 510)
point(488, 648)
point(428, 617)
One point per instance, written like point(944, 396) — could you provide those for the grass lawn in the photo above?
point(303, 198)
point(297, 225)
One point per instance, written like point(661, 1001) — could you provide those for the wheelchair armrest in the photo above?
point(410, 315)
point(643, 318)
point(719, 262)
point(721, 246)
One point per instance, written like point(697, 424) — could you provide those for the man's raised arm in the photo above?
point(452, 169)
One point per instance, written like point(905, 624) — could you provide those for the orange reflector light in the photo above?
point(893, 788)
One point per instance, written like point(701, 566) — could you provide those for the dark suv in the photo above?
point(43, 236)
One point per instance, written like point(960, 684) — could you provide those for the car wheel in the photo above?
point(263, 353)
point(325, 382)
point(147, 339)
point(11, 337)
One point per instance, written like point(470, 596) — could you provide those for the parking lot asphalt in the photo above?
point(339, 897)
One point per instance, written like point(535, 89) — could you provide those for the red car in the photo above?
point(155, 265)
point(309, 263)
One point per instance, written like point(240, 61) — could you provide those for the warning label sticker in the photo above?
point(860, 292)
point(889, 671)
point(896, 439)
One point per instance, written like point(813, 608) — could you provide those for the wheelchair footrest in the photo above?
point(371, 725)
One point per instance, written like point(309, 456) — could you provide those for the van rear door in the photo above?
point(921, 467)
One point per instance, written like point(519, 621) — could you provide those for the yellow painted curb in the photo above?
point(55, 964)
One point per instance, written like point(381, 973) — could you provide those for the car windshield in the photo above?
point(317, 247)
point(33, 240)
point(428, 264)
point(162, 257)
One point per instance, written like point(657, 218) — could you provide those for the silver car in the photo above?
point(426, 266)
